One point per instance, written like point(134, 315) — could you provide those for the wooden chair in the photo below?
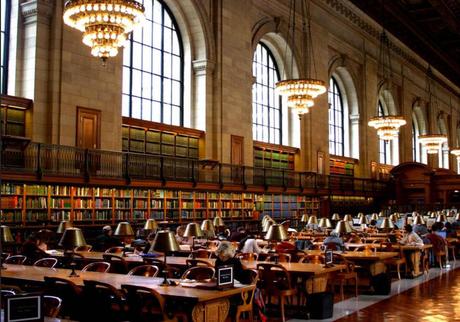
point(103, 302)
point(201, 253)
point(333, 246)
point(85, 248)
point(439, 254)
point(425, 259)
point(275, 280)
point(314, 259)
point(69, 292)
point(247, 297)
point(117, 263)
point(46, 262)
point(144, 270)
point(51, 306)
point(395, 261)
point(248, 256)
point(199, 273)
point(345, 275)
point(114, 250)
point(145, 304)
point(101, 267)
point(173, 272)
point(16, 259)
point(3, 294)
point(282, 258)
point(198, 262)
point(452, 248)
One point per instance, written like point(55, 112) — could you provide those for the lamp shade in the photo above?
point(193, 230)
point(335, 216)
point(441, 218)
point(207, 225)
point(312, 220)
point(432, 214)
point(72, 237)
point(325, 223)
point(124, 229)
point(418, 220)
point(63, 225)
point(457, 216)
point(267, 225)
point(348, 217)
point(343, 227)
point(165, 241)
point(304, 218)
point(218, 222)
point(386, 224)
point(360, 214)
point(6, 235)
point(151, 224)
point(393, 218)
point(363, 220)
point(276, 232)
point(265, 218)
point(375, 216)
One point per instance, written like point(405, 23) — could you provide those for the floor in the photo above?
point(432, 297)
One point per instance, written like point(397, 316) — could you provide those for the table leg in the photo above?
point(212, 311)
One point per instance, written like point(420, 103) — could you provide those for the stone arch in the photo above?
point(346, 83)
point(199, 58)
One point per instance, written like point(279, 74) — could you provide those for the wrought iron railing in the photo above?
point(51, 160)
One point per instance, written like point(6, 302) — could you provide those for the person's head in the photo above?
point(107, 230)
point(334, 234)
point(225, 251)
point(151, 237)
point(33, 238)
point(180, 230)
point(408, 228)
point(240, 230)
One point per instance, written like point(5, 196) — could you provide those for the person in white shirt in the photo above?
point(250, 245)
point(411, 238)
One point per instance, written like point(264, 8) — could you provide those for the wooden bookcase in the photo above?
point(13, 115)
point(24, 204)
point(342, 166)
point(160, 139)
point(274, 156)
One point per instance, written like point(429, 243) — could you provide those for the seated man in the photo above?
point(333, 240)
point(410, 239)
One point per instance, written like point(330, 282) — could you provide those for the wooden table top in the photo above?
point(299, 268)
point(412, 247)
point(37, 274)
point(363, 255)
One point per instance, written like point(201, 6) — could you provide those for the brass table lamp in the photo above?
point(5, 237)
point(124, 231)
point(276, 233)
point(441, 218)
point(193, 230)
point(151, 225)
point(348, 217)
point(325, 223)
point(63, 225)
point(418, 220)
point(304, 218)
point(72, 237)
point(165, 242)
point(375, 216)
point(386, 224)
point(207, 227)
point(312, 220)
point(335, 217)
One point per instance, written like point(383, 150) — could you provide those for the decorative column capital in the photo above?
point(203, 66)
point(35, 11)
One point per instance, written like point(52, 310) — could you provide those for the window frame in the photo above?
point(6, 47)
point(385, 147)
point(333, 84)
point(164, 9)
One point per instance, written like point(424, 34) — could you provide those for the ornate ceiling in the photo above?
point(431, 28)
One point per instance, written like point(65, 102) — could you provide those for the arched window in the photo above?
point(443, 154)
point(384, 145)
point(266, 105)
point(415, 144)
point(336, 119)
point(5, 9)
point(153, 87)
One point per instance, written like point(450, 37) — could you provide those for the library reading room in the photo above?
point(230, 160)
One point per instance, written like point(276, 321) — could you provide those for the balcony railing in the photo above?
point(56, 160)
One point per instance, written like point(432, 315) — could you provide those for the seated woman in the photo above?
point(333, 240)
point(226, 256)
point(31, 249)
point(249, 245)
point(180, 230)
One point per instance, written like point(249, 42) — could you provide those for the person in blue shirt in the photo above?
point(332, 239)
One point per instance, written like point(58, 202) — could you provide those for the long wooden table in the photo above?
point(210, 305)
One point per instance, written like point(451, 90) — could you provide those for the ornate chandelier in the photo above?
point(301, 92)
point(387, 126)
point(456, 152)
point(432, 142)
point(105, 23)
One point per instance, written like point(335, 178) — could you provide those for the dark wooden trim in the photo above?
point(276, 147)
point(162, 127)
point(15, 101)
point(341, 158)
point(88, 110)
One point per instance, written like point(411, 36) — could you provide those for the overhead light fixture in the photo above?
point(387, 126)
point(105, 24)
point(456, 152)
point(301, 92)
point(432, 142)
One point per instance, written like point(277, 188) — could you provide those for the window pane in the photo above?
point(265, 103)
point(153, 75)
point(336, 119)
point(4, 34)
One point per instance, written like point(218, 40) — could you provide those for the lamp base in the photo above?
point(73, 273)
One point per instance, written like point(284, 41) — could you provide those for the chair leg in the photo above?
point(251, 316)
point(399, 273)
point(283, 318)
point(356, 287)
point(341, 288)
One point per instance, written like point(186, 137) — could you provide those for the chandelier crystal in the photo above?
point(301, 92)
point(432, 142)
point(105, 24)
point(387, 126)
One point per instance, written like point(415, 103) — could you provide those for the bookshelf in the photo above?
point(28, 204)
point(342, 166)
point(160, 139)
point(13, 115)
point(274, 156)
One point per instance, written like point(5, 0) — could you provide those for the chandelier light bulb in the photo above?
point(432, 142)
point(105, 24)
point(387, 126)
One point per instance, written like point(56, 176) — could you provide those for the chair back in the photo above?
point(273, 278)
point(114, 250)
point(101, 267)
point(4, 294)
point(51, 306)
point(16, 259)
point(85, 248)
point(332, 246)
point(46, 262)
point(311, 258)
point(199, 273)
point(197, 262)
point(173, 272)
point(117, 263)
point(248, 295)
point(70, 294)
point(144, 270)
point(248, 256)
point(202, 253)
point(103, 302)
point(145, 304)
point(282, 258)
